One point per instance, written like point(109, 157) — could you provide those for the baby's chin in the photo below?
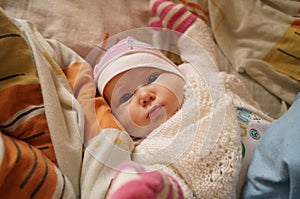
point(144, 131)
point(157, 119)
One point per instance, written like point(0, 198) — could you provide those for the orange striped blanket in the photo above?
point(48, 112)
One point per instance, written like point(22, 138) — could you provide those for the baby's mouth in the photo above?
point(155, 111)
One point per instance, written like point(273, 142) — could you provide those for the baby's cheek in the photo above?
point(176, 102)
point(178, 92)
point(122, 115)
point(137, 117)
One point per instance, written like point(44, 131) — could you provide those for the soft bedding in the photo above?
point(46, 87)
point(205, 129)
point(47, 100)
point(244, 40)
point(261, 39)
point(32, 107)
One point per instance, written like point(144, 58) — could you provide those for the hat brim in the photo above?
point(131, 61)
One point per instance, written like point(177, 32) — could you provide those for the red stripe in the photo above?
point(174, 18)
point(186, 23)
point(166, 10)
point(179, 190)
point(171, 191)
point(156, 5)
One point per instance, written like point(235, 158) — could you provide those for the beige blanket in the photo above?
point(234, 26)
point(261, 39)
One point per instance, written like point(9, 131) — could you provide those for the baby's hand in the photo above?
point(171, 15)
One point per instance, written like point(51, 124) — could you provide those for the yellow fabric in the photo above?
point(19, 65)
point(285, 55)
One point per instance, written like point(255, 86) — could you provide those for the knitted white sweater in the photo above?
point(200, 145)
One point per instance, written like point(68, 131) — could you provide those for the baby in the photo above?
point(167, 110)
point(143, 87)
point(146, 90)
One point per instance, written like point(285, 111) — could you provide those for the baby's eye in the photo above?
point(152, 78)
point(124, 98)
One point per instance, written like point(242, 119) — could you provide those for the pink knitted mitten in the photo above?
point(132, 181)
point(171, 15)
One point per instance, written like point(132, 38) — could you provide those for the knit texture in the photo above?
point(207, 161)
point(200, 145)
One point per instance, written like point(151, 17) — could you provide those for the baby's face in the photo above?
point(143, 98)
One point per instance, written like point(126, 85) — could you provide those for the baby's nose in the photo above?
point(146, 95)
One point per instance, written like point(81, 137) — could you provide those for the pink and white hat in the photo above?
point(128, 54)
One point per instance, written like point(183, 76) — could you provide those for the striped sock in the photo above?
point(171, 15)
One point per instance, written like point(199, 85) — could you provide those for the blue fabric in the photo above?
point(274, 171)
